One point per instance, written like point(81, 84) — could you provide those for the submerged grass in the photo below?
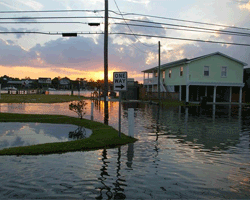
point(103, 136)
point(37, 98)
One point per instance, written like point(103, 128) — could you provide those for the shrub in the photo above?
point(78, 107)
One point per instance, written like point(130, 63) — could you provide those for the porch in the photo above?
point(215, 94)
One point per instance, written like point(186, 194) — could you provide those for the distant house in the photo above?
point(20, 84)
point(44, 81)
point(215, 75)
point(14, 83)
point(64, 83)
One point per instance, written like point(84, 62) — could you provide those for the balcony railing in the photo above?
point(151, 81)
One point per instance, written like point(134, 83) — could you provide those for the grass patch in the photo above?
point(37, 98)
point(103, 136)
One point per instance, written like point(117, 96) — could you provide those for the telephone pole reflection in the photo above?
point(119, 192)
point(103, 175)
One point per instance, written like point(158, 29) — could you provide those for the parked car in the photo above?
point(9, 88)
point(51, 89)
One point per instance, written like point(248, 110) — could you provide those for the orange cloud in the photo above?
point(245, 6)
point(35, 73)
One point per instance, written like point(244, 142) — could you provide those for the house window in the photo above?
point(163, 74)
point(206, 70)
point(156, 74)
point(169, 73)
point(181, 71)
point(223, 71)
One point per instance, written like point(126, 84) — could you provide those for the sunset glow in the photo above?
point(45, 55)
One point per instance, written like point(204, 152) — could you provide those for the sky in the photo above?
point(40, 55)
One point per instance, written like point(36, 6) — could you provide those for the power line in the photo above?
point(186, 39)
point(49, 11)
point(46, 22)
point(46, 33)
point(182, 20)
point(133, 45)
point(177, 25)
point(130, 28)
point(135, 14)
point(29, 18)
point(140, 25)
point(141, 35)
point(182, 29)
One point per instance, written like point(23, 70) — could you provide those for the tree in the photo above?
point(55, 82)
point(79, 108)
point(92, 84)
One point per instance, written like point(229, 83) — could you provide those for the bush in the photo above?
point(79, 108)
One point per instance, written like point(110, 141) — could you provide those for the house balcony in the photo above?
point(150, 81)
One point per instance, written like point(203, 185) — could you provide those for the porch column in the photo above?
point(144, 77)
point(214, 109)
point(148, 75)
point(240, 99)
point(214, 100)
point(230, 95)
point(206, 91)
point(187, 93)
point(180, 93)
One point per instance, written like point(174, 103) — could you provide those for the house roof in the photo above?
point(186, 61)
point(14, 82)
point(44, 78)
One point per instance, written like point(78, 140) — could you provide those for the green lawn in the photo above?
point(37, 98)
point(103, 136)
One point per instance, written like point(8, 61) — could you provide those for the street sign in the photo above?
point(120, 81)
point(120, 84)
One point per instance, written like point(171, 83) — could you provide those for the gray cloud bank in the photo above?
point(85, 53)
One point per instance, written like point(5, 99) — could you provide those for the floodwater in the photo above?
point(14, 134)
point(86, 93)
point(181, 153)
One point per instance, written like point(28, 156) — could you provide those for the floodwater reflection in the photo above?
point(80, 133)
point(111, 188)
point(182, 152)
point(14, 134)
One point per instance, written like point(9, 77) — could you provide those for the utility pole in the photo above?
point(159, 71)
point(106, 114)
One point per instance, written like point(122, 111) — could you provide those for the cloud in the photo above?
point(3, 29)
point(140, 1)
point(19, 35)
point(84, 55)
point(245, 6)
point(25, 19)
point(197, 49)
point(72, 56)
point(32, 4)
point(140, 29)
point(73, 52)
point(9, 6)
point(12, 55)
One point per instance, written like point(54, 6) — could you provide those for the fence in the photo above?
point(154, 95)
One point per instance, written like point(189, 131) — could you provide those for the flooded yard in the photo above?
point(182, 152)
point(14, 134)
